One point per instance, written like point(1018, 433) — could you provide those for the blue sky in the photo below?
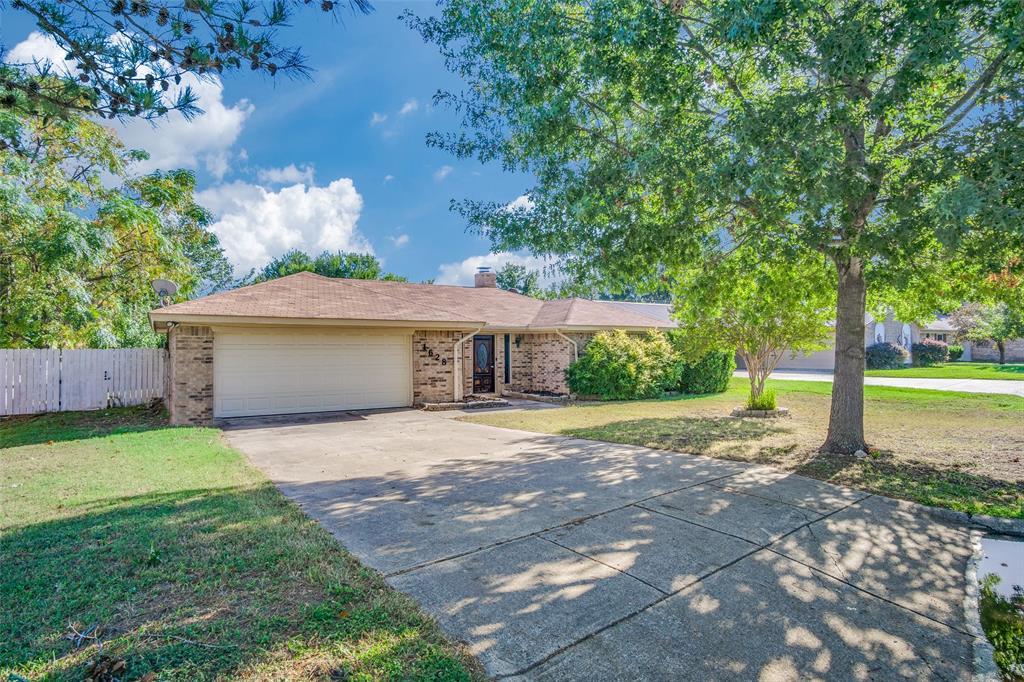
point(339, 161)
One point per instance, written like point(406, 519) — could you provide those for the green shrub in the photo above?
point(620, 366)
point(956, 351)
point(765, 401)
point(929, 353)
point(885, 355)
point(710, 374)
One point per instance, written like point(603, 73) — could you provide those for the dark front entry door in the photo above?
point(483, 364)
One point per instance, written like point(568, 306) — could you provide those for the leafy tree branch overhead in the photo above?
point(127, 58)
point(885, 136)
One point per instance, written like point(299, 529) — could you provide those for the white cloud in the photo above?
point(173, 141)
point(41, 48)
point(462, 271)
point(409, 107)
point(290, 174)
point(400, 240)
point(389, 177)
point(255, 224)
point(522, 202)
point(179, 143)
point(218, 164)
point(377, 119)
point(443, 172)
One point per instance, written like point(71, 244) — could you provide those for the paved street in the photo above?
point(962, 385)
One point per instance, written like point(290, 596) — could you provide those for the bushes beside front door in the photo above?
point(621, 366)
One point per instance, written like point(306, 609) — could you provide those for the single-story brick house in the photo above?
point(306, 343)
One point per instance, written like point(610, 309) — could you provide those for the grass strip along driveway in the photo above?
point(147, 552)
point(956, 450)
point(956, 370)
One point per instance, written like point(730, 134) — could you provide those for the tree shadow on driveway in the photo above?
point(488, 546)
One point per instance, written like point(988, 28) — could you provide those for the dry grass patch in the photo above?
point(948, 449)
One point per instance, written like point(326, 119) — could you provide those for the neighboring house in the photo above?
point(891, 330)
point(306, 343)
point(906, 334)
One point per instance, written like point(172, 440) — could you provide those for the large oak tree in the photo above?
point(886, 135)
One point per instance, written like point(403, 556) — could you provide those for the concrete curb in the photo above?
point(991, 524)
point(985, 668)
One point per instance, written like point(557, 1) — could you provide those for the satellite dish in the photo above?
point(164, 288)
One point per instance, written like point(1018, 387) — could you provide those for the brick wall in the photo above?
point(551, 355)
point(540, 361)
point(986, 351)
point(191, 375)
point(521, 364)
point(433, 369)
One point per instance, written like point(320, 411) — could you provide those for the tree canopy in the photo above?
point(329, 264)
point(128, 58)
point(520, 278)
point(886, 136)
point(82, 238)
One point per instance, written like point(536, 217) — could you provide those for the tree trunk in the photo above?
point(846, 421)
point(1002, 352)
point(756, 373)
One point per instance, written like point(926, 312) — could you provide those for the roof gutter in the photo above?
point(575, 346)
point(458, 362)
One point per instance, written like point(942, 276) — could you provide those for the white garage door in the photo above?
point(283, 372)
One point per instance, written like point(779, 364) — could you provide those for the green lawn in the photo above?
point(957, 450)
point(165, 547)
point(956, 370)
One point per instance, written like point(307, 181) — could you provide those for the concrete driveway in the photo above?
point(563, 559)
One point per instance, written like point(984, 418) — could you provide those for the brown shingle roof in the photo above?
point(307, 296)
point(582, 312)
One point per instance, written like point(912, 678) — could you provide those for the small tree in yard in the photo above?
point(997, 323)
point(885, 135)
point(762, 309)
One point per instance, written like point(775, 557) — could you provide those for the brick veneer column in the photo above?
point(433, 369)
point(191, 375)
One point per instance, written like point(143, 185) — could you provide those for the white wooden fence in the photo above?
point(45, 380)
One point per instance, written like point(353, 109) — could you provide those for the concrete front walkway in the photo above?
point(999, 386)
point(564, 559)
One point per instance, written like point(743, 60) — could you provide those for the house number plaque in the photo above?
point(431, 354)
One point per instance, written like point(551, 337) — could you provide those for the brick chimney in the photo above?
point(485, 278)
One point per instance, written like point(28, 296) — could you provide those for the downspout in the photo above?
point(459, 362)
point(575, 346)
